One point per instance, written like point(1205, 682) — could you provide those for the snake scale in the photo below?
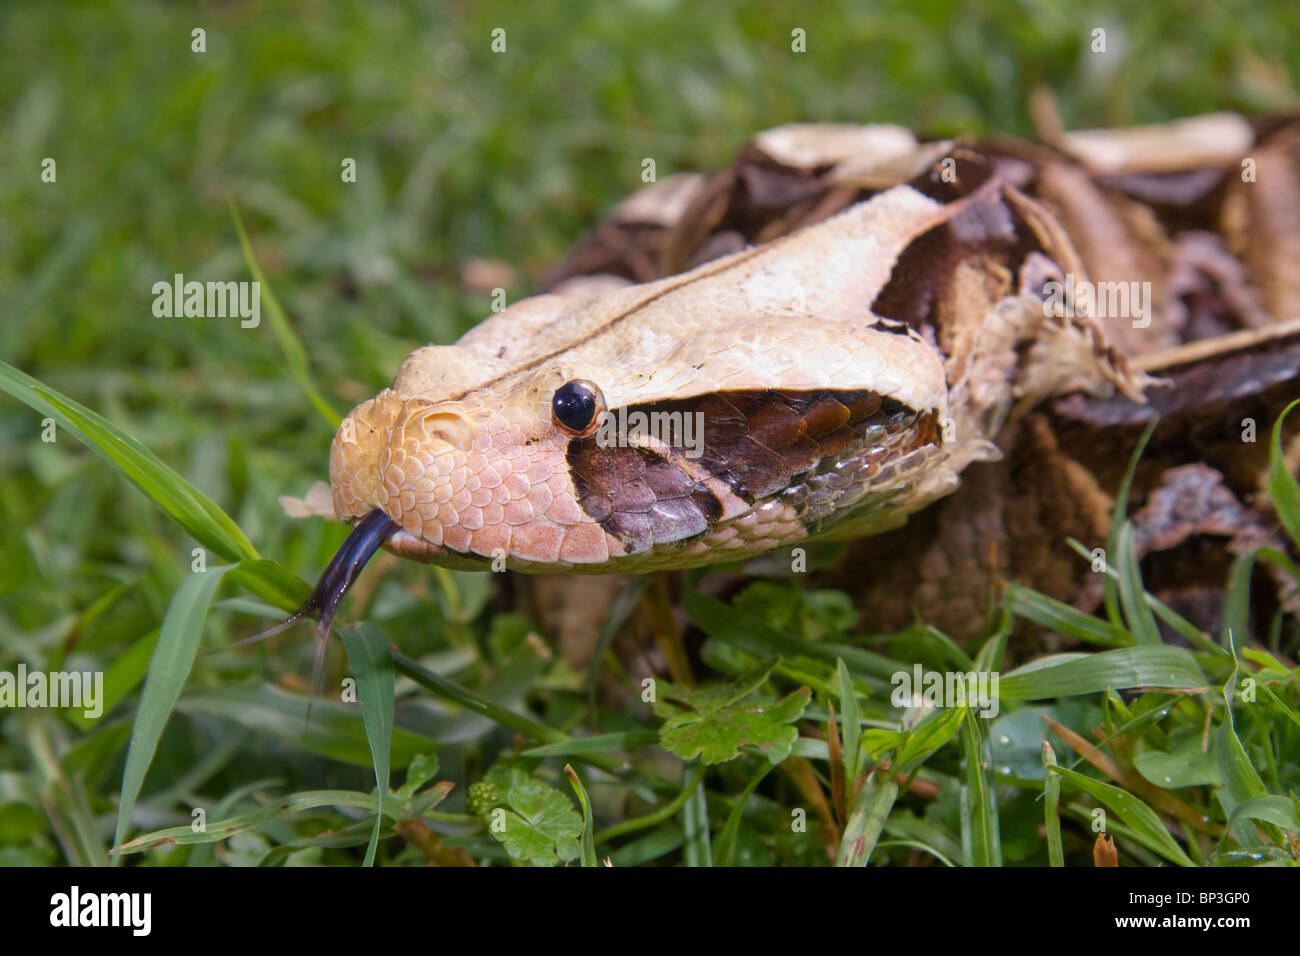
point(819, 341)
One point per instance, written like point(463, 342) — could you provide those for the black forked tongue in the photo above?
point(366, 538)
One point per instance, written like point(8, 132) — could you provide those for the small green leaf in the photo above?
point(541, 826)
point(423, 768)
point(933, 732)
point(1184, 764)
point(715, 723)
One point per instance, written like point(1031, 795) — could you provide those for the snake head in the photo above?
point(470, 470)
point(826, 398)
point(466, 476)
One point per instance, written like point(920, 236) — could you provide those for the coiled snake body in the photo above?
point(858, 318)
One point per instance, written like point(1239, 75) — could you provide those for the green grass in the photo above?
point(462, 153)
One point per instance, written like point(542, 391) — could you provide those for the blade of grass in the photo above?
point(851, 727)
point(835, 758)
point(655, 817)
point(65, 800)
point(1052, 808)
point(588, 832)
point(903, 827)
point(190, 508)
point(1269, 808)
point(918, 845)
point(1071, 675)
point(731, 829)
point(652, 846)
point(697, 848)
point(1281, 705)
point(279, 809)
point(1236, 604)
point(272, 582)
point(1163, 800)
point(1117, 521)
point(295, 356)
point(449, 690)
point(933, 732)
point(980, 833)
point(336, 730)
point(1179, 624)
point(1061, 618)
point(866, 821)
point(602, 744)
point(1141, 622)
point(1282, 486)
point(452, 691)
point(372, 667)
point(1133, 813)
point(169, 668)
point(1241, 780)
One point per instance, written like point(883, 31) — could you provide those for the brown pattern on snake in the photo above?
point(815, 448)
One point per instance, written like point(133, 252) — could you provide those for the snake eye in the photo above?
point(576, 407)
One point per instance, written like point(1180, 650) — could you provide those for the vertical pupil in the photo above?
point(574, 406)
